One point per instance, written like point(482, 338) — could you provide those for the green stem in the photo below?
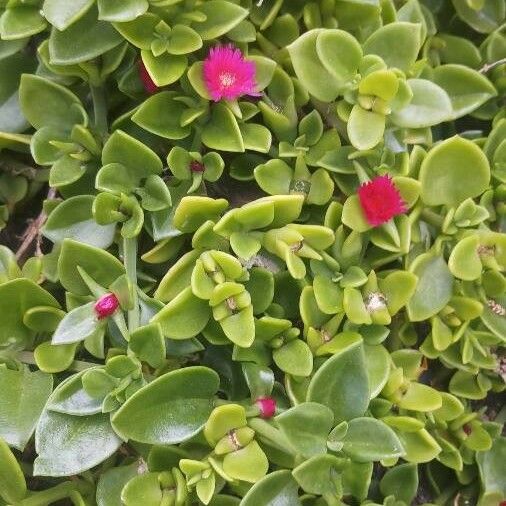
point(432, 218)
point(271, 435)
point(99, 109)
point(130, 261)
point(52, 495)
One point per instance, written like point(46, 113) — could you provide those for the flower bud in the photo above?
point(267, 406)
point(106, 305)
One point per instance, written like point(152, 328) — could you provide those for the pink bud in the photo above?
point(267, 406)
point(196, 166)
point(148, 83)
point(106, 305)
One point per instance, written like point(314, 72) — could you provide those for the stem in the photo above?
point(130, 261)
point(271, 435)
point(27, 357)
point(50, 496)
point(99, 109)
point(490, 66)
point(432, 218)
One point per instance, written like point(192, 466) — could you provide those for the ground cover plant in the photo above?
point(252, 252)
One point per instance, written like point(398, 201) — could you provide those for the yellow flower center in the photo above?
point(227, 79)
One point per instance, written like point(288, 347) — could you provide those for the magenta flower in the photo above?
point(267, 407)
point(106, 305)
point(380, 200)
point(227, 74)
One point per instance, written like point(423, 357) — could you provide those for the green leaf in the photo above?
point(11, 69)
point(401, 482)
point(73, 219)
point(17, 297)
point(103, 267)
point(69, 445)
point(126, 150)
point(484, 19)
point(317, 80)
point(340, 53)
point(169, 410)
point(342, 384)
point(184, 316)
point(377, 361)
point(434, 288)
point(12, 481)
point(220, 17)
point(365, 128)
point(111, 483)
point(23, 398)
point(397, 43)
point(454, 170)
point(247, 464)
point(160, 114)
point(294, 358)
point(62, 14)
point(492, 478)
point(166, 68)
point(276, 489)
point(467, 88)
point(71, 398)
point(84, 40)
point(77, 325)
point(306, 427)
point(419, 446)
point(222, 131)
point(21, 21)
point(320, 474)
point(368, 439)
point(55, 106)
point(121, 10)
point(429, 106)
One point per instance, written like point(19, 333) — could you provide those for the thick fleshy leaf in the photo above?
point(103, 267)
point(184, 316)
point(73, 219)
point(368, 439)
point(62, 14)
point(67, 445)
point(429, 106)
point(17, 297)
point(397, 43)
point(306, 426)
point(220, 17)
point(55, 106)
point(170, 409)
point(23, 398)
point(434, 287)
point(467, 88)
point(342, 384)
point(277, 487)
point(84, 40)
point(309, 69)
point(454, 170)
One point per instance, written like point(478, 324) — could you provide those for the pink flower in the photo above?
point(267, 406)
point(227, 74)
point(148, 83)
point(106, 305)
point(380, 200)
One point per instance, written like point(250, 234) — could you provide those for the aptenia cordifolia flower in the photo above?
point(106, 305)
point(228, 75)
point(380, 200)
